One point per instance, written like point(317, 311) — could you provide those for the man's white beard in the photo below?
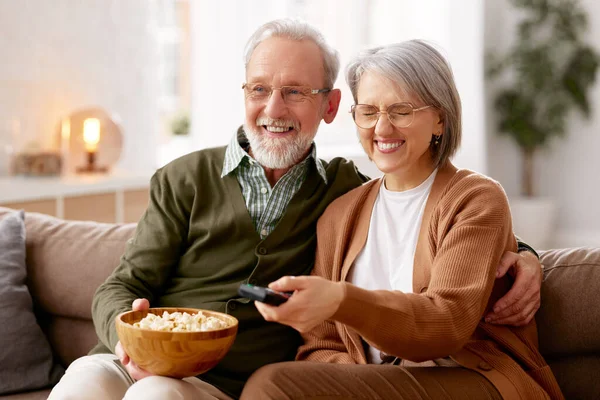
point(278, 153)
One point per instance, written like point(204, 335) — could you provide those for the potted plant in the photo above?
point(180, 124)
point(550, 70)
point(178, 139)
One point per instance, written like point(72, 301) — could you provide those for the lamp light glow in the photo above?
point(91, 134)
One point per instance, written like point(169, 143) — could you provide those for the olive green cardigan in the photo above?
point(196, 243)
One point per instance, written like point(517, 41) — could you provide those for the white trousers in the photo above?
point(102, 376)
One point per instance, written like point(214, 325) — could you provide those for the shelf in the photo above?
point(116, 197)
point(20, 188)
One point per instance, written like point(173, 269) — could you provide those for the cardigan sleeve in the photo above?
point(467, 236)
point(148, 260)
point(323, 343)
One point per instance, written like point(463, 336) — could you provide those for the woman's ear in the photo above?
point(439, 127)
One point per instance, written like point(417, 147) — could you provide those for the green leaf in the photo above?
point(180, 124)
point(580, 75)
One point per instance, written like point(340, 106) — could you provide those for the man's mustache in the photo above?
point(285, 123)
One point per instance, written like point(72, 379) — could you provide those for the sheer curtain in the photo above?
point(220, 30)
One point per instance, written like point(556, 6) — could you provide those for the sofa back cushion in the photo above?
point(66, 262)
point(569, 319)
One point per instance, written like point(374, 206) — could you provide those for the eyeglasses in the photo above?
point(401, 115)
point(292, 94)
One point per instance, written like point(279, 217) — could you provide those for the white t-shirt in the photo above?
point(386, 261)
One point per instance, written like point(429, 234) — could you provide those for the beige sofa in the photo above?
point(66, 261)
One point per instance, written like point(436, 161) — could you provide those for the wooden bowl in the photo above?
point(175, 354)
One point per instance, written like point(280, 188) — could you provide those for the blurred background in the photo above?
point(95, 95)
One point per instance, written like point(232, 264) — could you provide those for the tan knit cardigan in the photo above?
point(466, 228)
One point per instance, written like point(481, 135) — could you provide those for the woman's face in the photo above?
point(402, 154)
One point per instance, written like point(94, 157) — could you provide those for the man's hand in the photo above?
point(315, 300)
point(520, 304)
point(136, 372)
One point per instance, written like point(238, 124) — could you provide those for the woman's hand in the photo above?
point(519, 305)
point(315, 300)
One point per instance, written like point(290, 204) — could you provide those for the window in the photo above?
point(174, 78)
point(173, 37)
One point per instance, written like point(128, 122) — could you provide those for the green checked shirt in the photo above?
point(265, 204)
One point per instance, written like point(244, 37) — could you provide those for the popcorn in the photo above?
point(180, 322)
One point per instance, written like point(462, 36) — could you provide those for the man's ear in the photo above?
point(333, 104)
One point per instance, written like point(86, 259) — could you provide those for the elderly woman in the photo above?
point(405, 266)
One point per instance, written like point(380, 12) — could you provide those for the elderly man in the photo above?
point(242, 213)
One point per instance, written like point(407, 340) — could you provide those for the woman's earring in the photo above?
point(437, 139)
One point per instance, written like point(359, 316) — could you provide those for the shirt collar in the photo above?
point(237, 152)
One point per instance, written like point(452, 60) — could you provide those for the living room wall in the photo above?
point(60, 56)
point(568, 169)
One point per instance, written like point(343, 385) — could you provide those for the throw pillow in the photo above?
point(26, 360)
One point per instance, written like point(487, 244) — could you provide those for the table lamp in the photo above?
point(91, 138)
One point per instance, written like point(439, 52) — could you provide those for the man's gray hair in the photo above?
point(296, 29)
point(418, 68)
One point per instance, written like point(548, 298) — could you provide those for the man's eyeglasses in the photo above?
point(292, 94)
point(401, 115)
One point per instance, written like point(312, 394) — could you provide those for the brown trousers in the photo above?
point(309, 380)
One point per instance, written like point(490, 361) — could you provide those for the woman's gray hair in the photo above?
point(418, 68)
point(296, 29)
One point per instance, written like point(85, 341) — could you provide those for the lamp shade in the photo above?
point(91, 129)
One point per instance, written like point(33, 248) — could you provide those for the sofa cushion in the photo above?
point(71, 338)
point(37, 395)
point(68, 260)
point(569, 317)
point(577, 376)
point(26, 360)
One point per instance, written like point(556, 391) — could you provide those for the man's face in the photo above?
point(281, 131)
